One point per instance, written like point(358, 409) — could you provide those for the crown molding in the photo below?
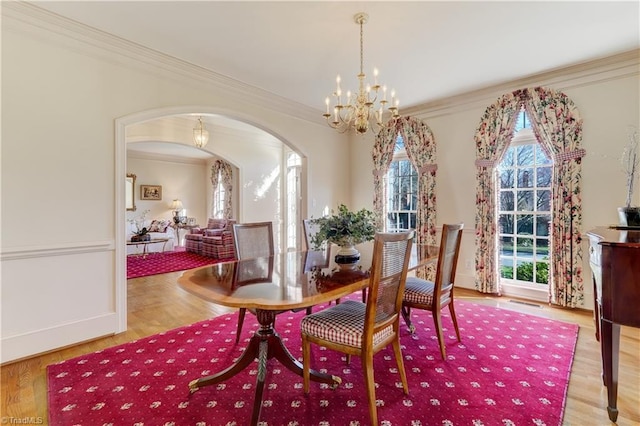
point(31, 20)
point(39, 23)
point(622, 65)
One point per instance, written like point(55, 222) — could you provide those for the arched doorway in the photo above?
point(255, 185)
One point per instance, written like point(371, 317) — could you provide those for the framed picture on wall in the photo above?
point(151, 192)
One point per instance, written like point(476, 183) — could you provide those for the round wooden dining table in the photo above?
point(270, 285)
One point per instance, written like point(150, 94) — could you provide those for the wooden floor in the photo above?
point(157, 304)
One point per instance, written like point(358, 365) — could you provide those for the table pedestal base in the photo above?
point(264, 345)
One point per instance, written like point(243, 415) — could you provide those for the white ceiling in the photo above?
point(425, 50)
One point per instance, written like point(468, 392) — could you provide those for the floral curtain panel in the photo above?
point(558, 128)
point(492, 139)
point(421, 150)
point(382, 155)
point(225, 171)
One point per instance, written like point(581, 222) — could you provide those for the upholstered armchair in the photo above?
point(216, 240)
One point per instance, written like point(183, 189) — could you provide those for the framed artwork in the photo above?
point(151, 192)
point(191, 221)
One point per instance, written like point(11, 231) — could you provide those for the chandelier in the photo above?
point(364, 108)
point(200, 134)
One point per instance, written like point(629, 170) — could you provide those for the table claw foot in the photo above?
point(336, 382)
point(193, 386)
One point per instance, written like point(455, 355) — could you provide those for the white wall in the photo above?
point(62, 90)
point(608, 99)
point(182, 180)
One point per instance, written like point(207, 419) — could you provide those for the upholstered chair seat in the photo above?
point(419, 291)
point(343, 324)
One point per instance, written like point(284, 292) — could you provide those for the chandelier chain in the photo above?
point(361, 47)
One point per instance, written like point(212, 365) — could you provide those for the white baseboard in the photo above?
point(25, 345)
point(466, 281)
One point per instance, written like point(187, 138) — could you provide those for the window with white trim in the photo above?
point(402, 191)
point(524, 210)
point(218, 199)
point(293, 221)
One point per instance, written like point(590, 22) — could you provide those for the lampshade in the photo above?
point(176, 205)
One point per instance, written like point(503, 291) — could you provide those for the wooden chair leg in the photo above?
point(306, 355)
point(367, 369)
point(400, 362)
point(454, 319)
point(437, 320)
point(240, 322)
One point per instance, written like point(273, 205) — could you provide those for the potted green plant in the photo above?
point(345, 229)
point(630, 215)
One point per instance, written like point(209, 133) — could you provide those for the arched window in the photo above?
point(557, 125)
point(524, 212)
point(402, 190)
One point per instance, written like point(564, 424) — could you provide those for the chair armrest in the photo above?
point(213, 232)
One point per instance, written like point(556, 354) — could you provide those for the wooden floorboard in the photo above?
point(157, 304)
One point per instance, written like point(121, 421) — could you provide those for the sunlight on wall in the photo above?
point(261, 190)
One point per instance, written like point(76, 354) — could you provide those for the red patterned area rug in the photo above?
point(509, 369)
point(168, 261)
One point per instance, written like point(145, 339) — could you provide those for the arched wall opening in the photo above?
point(249, 190)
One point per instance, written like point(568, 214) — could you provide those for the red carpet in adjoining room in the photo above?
point(169, 261)
point(509, 369)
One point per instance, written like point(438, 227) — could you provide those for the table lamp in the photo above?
point(176, 206)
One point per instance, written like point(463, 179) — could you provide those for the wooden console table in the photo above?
point(614, 256)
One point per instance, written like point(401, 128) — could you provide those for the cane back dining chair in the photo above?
point(251, 240)
point(363, 329)
point(436, 295)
